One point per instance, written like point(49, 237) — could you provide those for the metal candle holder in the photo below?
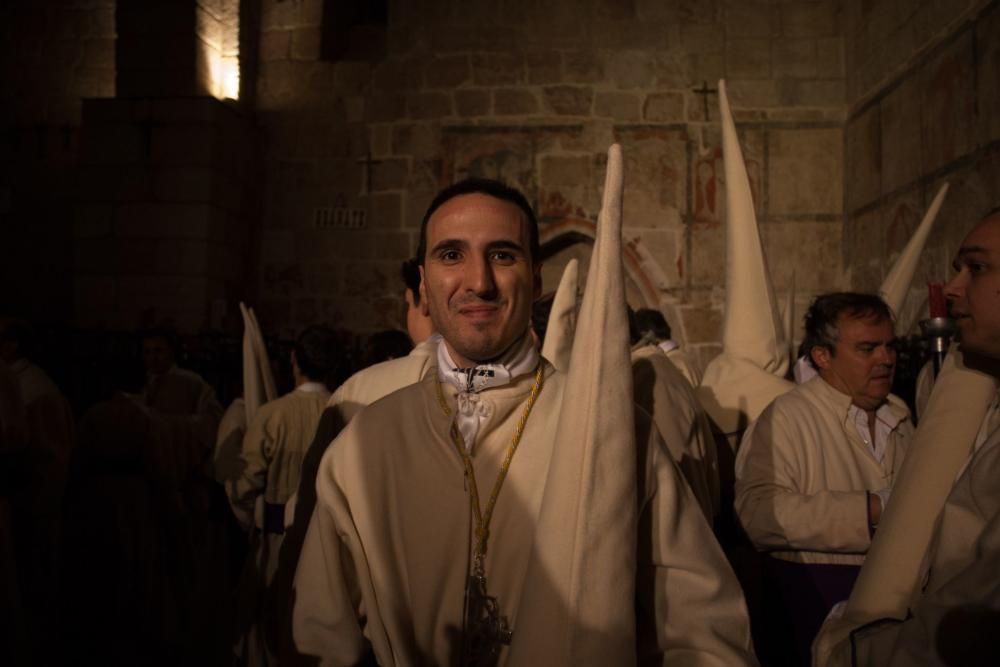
point(938, 331)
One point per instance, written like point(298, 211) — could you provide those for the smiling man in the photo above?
point(815, 470)
point(428, 501)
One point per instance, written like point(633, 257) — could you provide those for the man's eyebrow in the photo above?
point(448, 244)
point(965, 250)
point(504, 244)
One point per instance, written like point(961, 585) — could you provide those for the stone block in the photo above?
point(190, 110)
point(745, 93)
point(569, 100)
point(863, 175)
point(561, 170)
point(830, 57)
point(385, 211)
point(901, 139)
point(656, 164)
point(514, 102)
point(497, 69)
point(794, 57)
point(701, 38)
point(701, 324)
point(988, 76)
point(181, 257)
point(187, 144)
point(543, 67)
point(746, 20)
point(630, 69)
point(419, 140)
point(385, 107)
point(185, 184)
point(397, 75)
point(698, 68)
point(275, 45)
point(472, 103)
point(447, 71)
point(93, 220)
point(389, 174)
point(748, 58)
point(306, 43)
point(812, 92)
point(392, 245)
point(276, 14)
point(814, 19)
point(429, 105)
point(114, 184)
point(111, 144)
point(622, 107)
point(367, 280)
point(323, 278)
point(664, 108)
point(277, 246)
point(582, 66)
point(800, 168)
point(948, 117)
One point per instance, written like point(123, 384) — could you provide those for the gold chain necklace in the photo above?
point(484, 629)
point(483, 519)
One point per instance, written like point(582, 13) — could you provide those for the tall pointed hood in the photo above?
point(942, 444)
point(258, 381)
point(739, 383)
point(896, 285)
point(558, 343)
point(578, 604)
point(752, 327)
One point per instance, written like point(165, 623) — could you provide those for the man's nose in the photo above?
point(480, 277)
point(886, 355)
point(955, 287)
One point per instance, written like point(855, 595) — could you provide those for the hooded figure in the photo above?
point(739, 383)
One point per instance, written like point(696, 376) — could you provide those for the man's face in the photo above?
point(974, 293)
point(863, 361)
point(478, 280)
point(157, 356)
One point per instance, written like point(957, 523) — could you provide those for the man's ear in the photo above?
point(821, 356)
point(424, 309)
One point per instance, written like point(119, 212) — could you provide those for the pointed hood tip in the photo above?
point(896, 285)
point(753, 328)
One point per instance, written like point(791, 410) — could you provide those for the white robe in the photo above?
point(802, 473)
point(387, 552)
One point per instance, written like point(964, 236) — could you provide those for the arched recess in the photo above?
point(641, 269)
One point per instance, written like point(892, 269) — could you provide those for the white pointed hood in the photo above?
point(752, 327)
point(896, 285)
point(739, 383)
point(258, 381)
point(558, 343)
point(578, 604)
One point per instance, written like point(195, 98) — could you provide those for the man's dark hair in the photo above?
point(826, 309)
point(316, 352)
point(386, 345)
point(410, 271)
point(486, 186)
point(650, 321)
point(166, 334)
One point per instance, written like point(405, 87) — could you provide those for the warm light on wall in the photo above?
point(220, 48)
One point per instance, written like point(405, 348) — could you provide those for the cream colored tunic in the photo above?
point(387, 552)
point(803, 471)
point(686, 364)
point(961, 580)
point(663, 392)
point(372, 383)
point(275, 443)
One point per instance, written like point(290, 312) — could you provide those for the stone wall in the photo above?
point(923, 85)
point(534, 93)
point(54, 53)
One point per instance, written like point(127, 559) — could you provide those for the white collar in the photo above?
point(520, 358)
point(668, 345)
point(311, 387)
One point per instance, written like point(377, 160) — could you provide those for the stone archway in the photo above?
point(573, 237)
